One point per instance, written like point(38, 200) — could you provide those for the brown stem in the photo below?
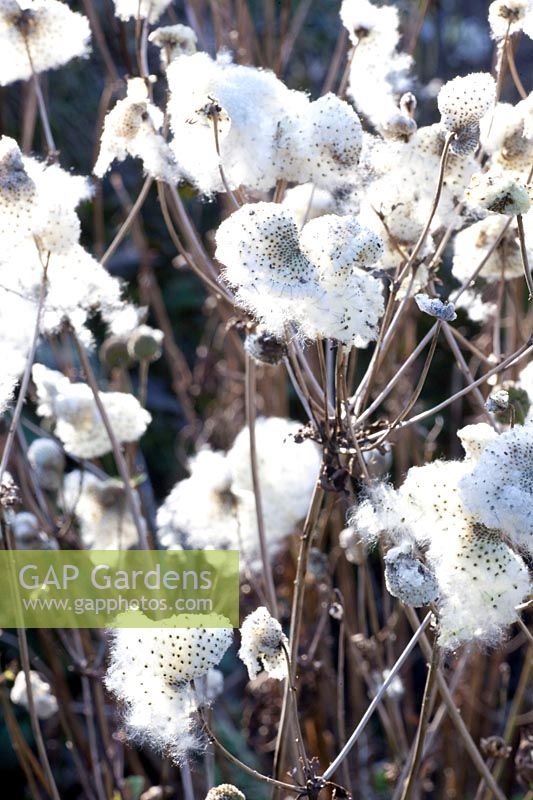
point(117, 450)
point(250, 402)
point(422, 725)
point(523, 252)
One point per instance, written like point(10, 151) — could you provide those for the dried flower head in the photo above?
point(408, 578)
point(463, 102)
point(38, 35)
point(28, 532)
point(132, 128)
point(113, 352)
point(225, 791)
point(263, 645)
point(435, 307)
point(498, 193)
point(145, 343)
point(102, 511)
point(508, 16)
point(149, 673)
point(77, 419)
point(499, 490)
point(143, 9)
point(265, 347)
point(174, 41)
point(47, 458)
point(398, 127)
point(44, 700)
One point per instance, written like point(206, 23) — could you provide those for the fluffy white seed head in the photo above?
point(482, 581)
point(46, 31)
point(132, 128)
point(101, 510)
point(77, 419)
point(149, 673)
point(225, 791)
point(17, 191)
point(40, 226)
point(339, 245)
point(475, 438)
point(480, 578)
point(477, 243)
point(499, 490)
point(380, 513)
point(47, 458)
point(352, 301)
point(508, 16)
point(464, 101)
point(44, 700)
point(245, 103)
point(215, 506)
point(321, 143)
point(378, 72)
point(174, 41)
point(260, 249)
point(144, 9)
point(262, 645)
point(499, 193)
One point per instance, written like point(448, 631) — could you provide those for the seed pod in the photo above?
point(265, 347)
point(48, 460)
point(408, 579)
point(114, 352)
point(145, 343)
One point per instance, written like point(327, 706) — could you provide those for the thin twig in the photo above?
point(249, 770)
point(454, 714)
point(335, 764)
point(523, 251)
point(128, 222)
point(422, 725)
point(117, 450)
point(250, 402)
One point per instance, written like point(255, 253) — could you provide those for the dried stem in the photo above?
point(128, 222)
point(454, 714)
point(513, 70)
point(117, 450)
point(523, 251)
point(249, 770)
point(335, 764)
point(250, 401)
point(425, 712)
